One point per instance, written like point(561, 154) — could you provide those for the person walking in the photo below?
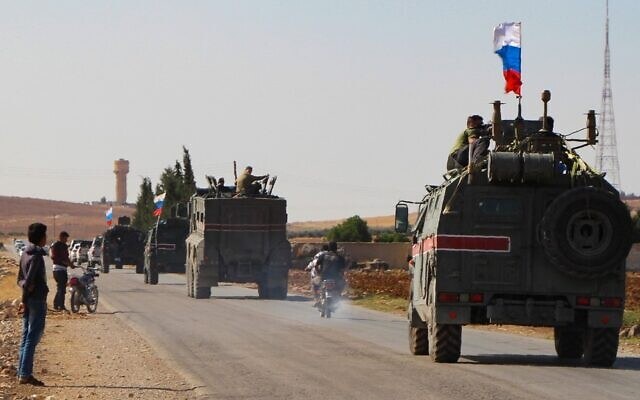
point(61, 261)
point(32, 278)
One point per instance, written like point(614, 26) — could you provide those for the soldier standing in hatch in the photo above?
point(61, 261)
point(474, 134)
point(248, 184)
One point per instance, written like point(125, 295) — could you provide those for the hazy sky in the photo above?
point(353, 104)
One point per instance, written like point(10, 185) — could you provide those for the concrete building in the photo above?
point(121, 169)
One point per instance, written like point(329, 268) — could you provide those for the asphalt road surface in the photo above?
point(235, 346)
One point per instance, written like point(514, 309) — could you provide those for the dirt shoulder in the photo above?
point(91, 356)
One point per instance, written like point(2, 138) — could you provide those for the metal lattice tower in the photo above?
point(607, 148)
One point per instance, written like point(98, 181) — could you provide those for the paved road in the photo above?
point(238, 347)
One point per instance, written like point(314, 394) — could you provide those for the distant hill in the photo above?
point(80, 220)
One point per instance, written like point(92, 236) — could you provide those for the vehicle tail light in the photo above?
point(583, 301)
point(476, 298)
point(611, 302)
point(74, 281)
point(444, 297)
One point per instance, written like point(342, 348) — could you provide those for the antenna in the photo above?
point(607, 149)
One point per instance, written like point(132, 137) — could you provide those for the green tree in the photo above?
point(171, 185)
point(188, 179)
point(143, 217)
point(353, 229)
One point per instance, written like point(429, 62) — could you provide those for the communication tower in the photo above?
point(607, 148)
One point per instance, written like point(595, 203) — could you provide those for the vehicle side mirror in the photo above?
point(402, 218)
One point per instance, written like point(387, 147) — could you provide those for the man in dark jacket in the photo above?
point(32, 278)
point(60, 258)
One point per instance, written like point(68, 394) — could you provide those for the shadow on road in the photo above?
point(623, 363)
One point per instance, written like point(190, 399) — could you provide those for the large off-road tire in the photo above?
point(263, 290)
point(445, 342)
point(104, 265)
point(189, 279)
point(601, 346)
point(586, 232)
point(153, 274)
point(75, 301)
point(418, 341)
point(203, 292)
point(569, 342)
point(139, 268)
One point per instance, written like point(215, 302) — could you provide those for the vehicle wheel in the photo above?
point(105, 268)
point(189, 278)
point(601, 346)
point(139, 268)
point(203, 292)
point(263, 290)
point(118, 266)
point(418, 341)
point(327, 311)
point(91, 308)
point(278, 293)
point(75, 301)
point(153, 275)
point(445, 342)
point(586, 232)
point(569, 342)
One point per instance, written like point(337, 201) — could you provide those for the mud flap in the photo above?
point(453, 315)
point(604, 319)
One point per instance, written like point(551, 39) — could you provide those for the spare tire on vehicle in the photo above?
point(586, 232)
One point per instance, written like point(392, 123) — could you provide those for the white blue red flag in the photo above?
point(506, 43)
point(109, 216)
point(159, 203)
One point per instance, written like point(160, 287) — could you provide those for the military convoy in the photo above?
point(165, 250)
point(531, 235)
point(237, 239)
point(122, 245)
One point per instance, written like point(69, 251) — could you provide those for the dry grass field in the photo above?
point(80, 220)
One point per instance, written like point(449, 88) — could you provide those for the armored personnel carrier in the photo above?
point(165, 250)
point(122, 245)
point(237, 239)
point(528, 235)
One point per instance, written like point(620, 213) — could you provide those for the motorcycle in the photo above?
point(329, 297)
point(83, 290)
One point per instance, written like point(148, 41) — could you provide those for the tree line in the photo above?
point(177, 181)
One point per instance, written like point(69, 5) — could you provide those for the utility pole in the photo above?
point(607, 148)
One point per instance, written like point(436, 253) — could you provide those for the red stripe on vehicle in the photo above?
point(494, 244)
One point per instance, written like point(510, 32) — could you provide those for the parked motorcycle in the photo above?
point(329, 297)
point(83, 290)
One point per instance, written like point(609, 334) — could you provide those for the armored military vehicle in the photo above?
point(237, 239)
point(165, 250)
point(122, 245)
point(528, 235)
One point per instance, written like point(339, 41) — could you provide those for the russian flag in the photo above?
point(506, 43)
point(109, 216)
point(159, 202)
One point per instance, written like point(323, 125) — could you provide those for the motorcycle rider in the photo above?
point(314, 275)
point(331, 265)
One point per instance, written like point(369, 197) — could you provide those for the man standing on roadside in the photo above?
point(60, 258)
point(32, 278)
